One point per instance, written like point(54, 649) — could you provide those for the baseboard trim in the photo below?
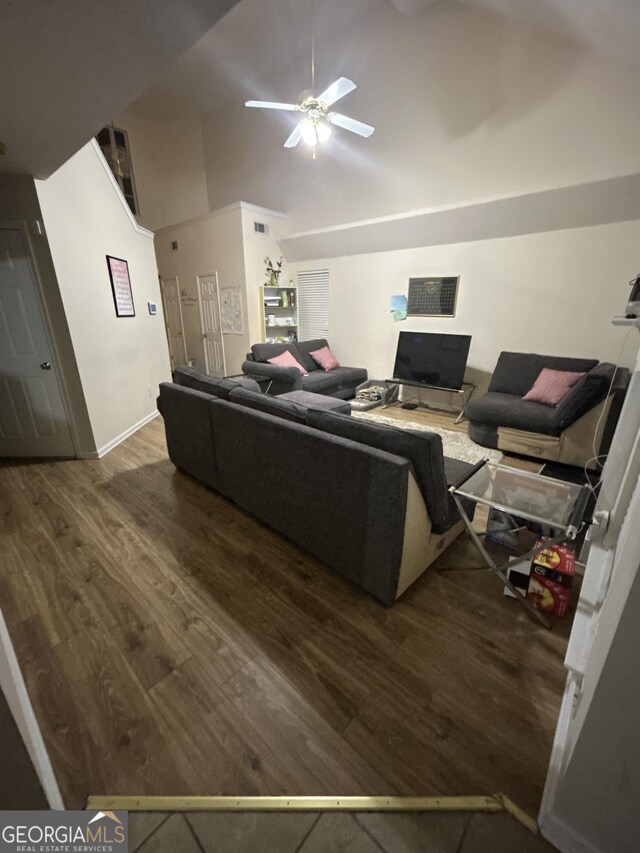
point(562, 836)
point(102, 451)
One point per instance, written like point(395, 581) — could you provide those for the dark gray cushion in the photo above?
point(188, 426)
point(263, 352)
point(287, 409)
point(191, 378)
point(483, 434)
point(305, 348)
point(320, 381)
point(516, 372)
point(317, 401)
point(507, 410)
point(327, 381)
point(277, 380)
point(422, 449)
point(343, 501)
point(589, 391)
point(348, 376)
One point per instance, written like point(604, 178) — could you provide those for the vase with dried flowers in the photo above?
point(272, 271)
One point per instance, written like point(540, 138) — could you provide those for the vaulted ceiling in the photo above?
point(260, 37)
point(68, 66)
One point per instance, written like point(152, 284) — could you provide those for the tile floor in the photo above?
point(330, 832)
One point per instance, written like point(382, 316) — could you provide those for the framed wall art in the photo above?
point(121, 287)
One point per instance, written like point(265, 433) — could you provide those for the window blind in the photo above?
point(313, 304)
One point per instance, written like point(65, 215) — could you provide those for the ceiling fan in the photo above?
point(315, 126)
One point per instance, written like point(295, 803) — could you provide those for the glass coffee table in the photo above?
point(553, 503)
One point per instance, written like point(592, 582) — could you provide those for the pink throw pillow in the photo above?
point(285, 359)
point(325, 358)
point(552, 386)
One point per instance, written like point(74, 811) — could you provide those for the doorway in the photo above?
point(170, 292)
point(210, 320)
point(33, 418)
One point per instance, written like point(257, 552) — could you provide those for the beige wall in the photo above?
point(224, 242)
point(120, 360)
point(255, 247)
point(551, 293)
point(466, 106)
point(168, 167)
point(207, 245)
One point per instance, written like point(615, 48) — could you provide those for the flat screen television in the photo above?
point(431, 359)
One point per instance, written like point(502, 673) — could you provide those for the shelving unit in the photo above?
point(282, 304)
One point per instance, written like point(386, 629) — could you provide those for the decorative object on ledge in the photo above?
point(273, 272)
point(121, 286)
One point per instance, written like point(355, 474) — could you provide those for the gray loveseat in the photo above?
point(341, 382)
point(371, 502)
point(563, 433)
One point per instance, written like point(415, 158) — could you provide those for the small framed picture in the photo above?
point(121, 287)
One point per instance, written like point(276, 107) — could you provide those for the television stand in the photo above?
point(467, 389)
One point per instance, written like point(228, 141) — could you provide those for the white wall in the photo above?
point(551, 293)
point(466, 105)
point(207, 245)
point(168, 168)
point(121, 361)
point(597, 799)
point(256, 246)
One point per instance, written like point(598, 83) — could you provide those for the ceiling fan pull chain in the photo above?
point(313, 47)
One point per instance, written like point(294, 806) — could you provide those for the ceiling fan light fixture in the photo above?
point(314, 132)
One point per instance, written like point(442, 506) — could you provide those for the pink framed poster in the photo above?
point(121, 287)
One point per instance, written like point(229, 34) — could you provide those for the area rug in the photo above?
point(456, 445)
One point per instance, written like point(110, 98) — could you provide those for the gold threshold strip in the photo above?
point(495, 803)
point(356, 804)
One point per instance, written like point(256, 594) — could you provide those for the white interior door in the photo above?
point(33, 420)
point(170, 291)
point(212, 340)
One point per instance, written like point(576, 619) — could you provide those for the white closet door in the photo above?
point(33, 419)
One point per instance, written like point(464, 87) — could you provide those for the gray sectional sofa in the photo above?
point(371, 502)
point(341, 382)
point(565, 433)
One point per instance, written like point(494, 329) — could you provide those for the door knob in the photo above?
point(46, 365)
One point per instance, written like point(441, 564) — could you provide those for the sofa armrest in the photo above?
point(586, 394)
point(281, 379)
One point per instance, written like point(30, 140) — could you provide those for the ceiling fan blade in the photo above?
point(270, 105)
point(337, 90)
point(295, 137)
point(351, 124)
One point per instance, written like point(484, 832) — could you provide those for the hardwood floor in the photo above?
point(172, 644)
